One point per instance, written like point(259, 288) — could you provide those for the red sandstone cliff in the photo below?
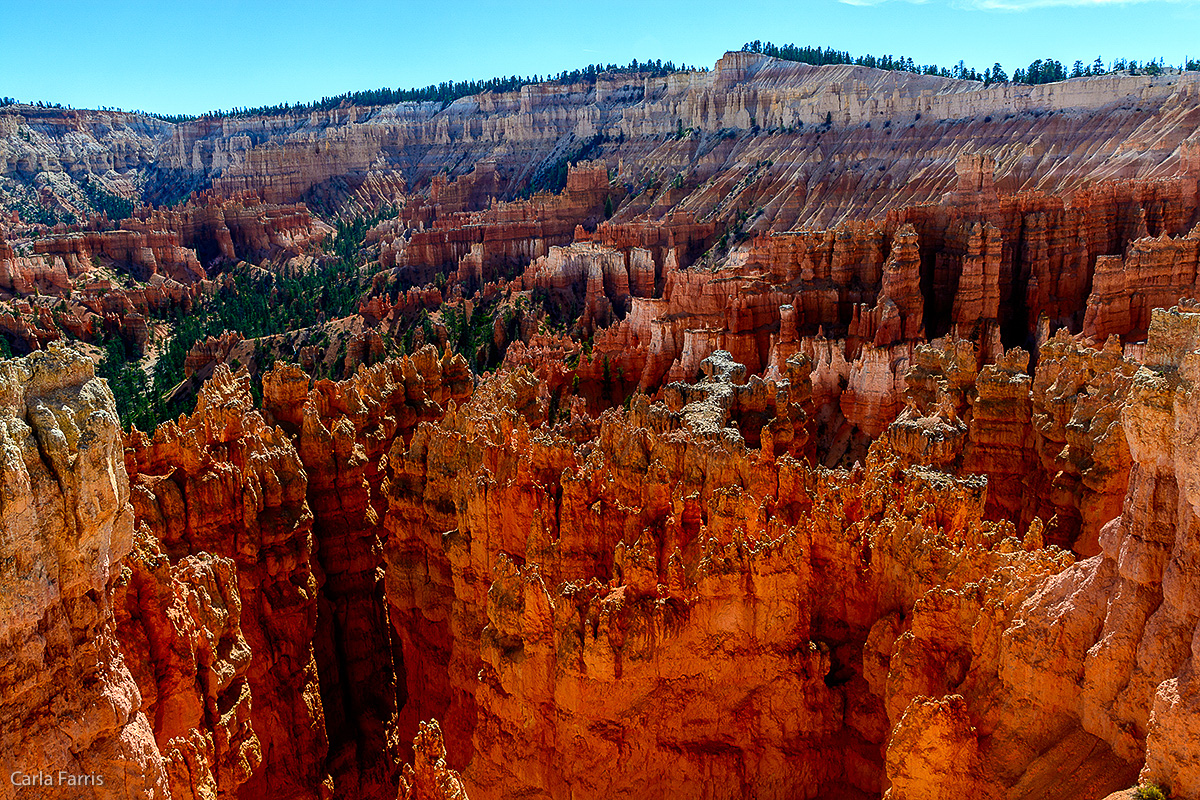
point(369, 668)
point(222, 482)
point(583, 579)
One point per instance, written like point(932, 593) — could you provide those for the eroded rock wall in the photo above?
point(224, 496)
point(657, 600)
point(642, 600)
point(370, 674)
point(788, 511)
point(71, 719)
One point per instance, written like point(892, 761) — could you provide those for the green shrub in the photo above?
point(1149, 791)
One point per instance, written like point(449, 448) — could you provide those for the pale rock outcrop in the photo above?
point(71, 716)
point(428, 778)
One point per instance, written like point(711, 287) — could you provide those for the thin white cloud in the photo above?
point(1025, 5)
point(1020, 5)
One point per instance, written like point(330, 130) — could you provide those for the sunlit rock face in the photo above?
point(71, 709)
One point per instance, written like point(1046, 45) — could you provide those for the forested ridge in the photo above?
point(1039, 71)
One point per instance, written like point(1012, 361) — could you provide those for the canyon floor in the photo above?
point(769, 431)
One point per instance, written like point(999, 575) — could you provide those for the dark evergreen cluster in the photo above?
point(113, 206)
point(471, 337)
point(1050, 70)
point(36, 214)
point(1040, 71)
point(820, 56)
point(130, 386)
point(1047, 71)
point(40, 215)
point(7, 101)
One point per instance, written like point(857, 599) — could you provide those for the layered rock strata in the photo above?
point(892, 140)
point(917, 126)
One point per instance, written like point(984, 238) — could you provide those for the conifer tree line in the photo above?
point(445, 92)
point(1040, 71)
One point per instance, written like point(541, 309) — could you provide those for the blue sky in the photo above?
point(178, 56)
